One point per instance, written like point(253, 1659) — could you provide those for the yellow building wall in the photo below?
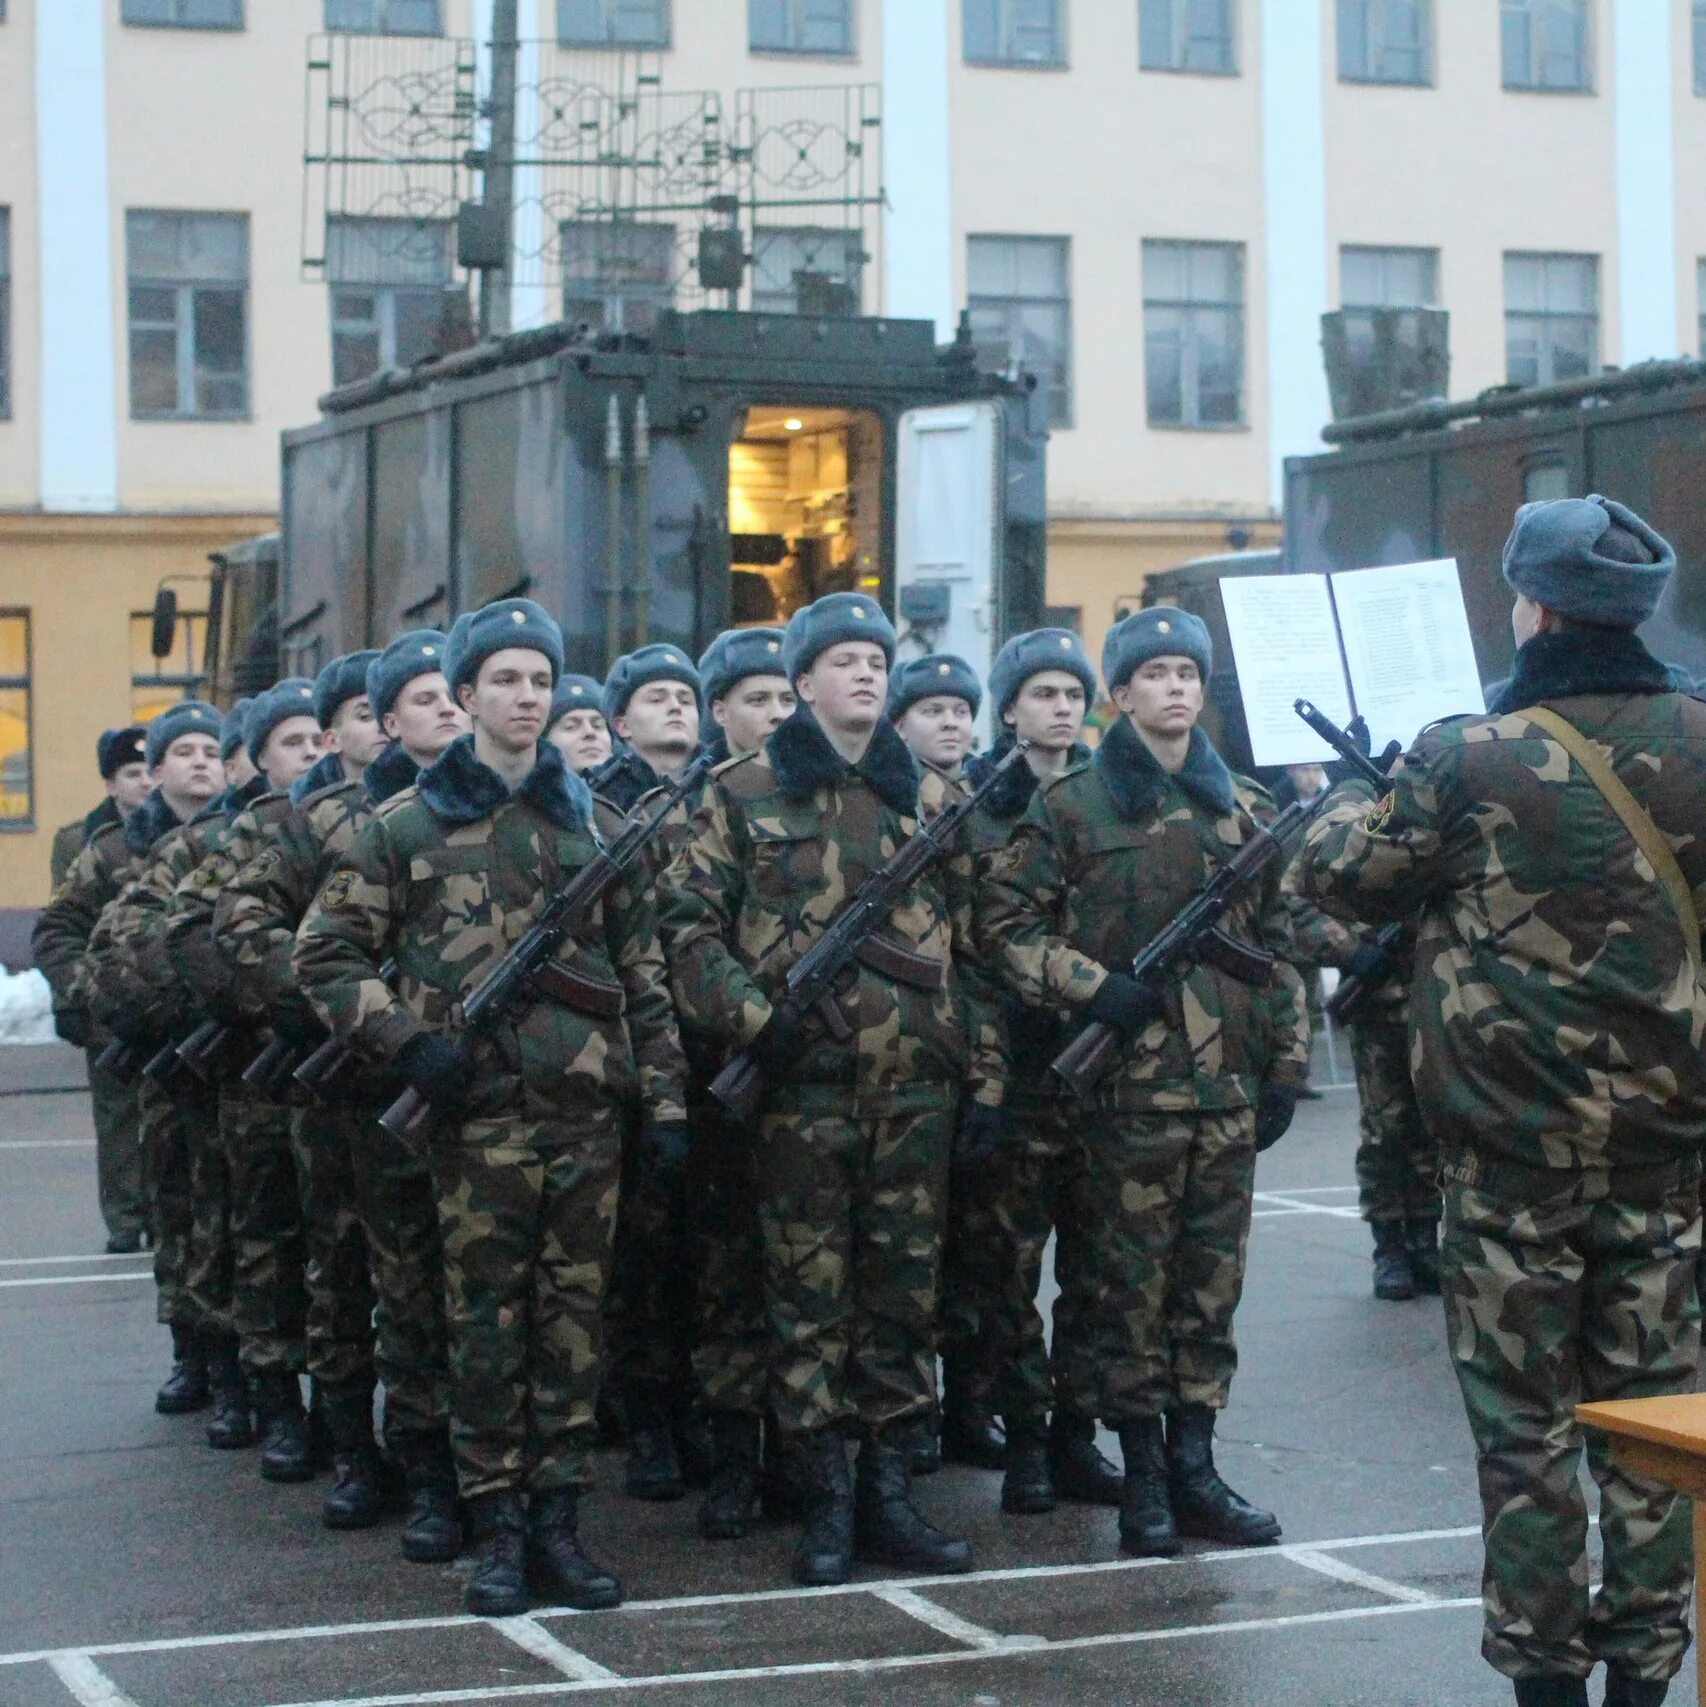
point(80, 577)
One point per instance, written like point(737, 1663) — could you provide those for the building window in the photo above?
point(617, 274)
point(159, 683)
point(1014, 32)
point(5, 313)
point(806, 271)
point(800, 26)
point(385, 17)
point(1388, 278)
point(1193, 333)
point(388, 281)
point(189, 315)
point(1385, 41)
point(1551, 318)
point(1018, 290)
point(185, 14)
point(613, 23)
point(17, 783)
point(1544, 44)
point(1186, 35)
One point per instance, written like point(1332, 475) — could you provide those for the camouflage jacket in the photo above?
point(1555, 1020)
point(256, 915)
point(69, 840)
point(1318, 939)
point(93, 881)
point(1102, 859)
point(446, 878)
point(780, 843)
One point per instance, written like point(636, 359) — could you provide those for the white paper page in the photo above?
point(1407, 647)
point(1287, 647)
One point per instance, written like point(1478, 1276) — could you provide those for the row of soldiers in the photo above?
point(584, 1217)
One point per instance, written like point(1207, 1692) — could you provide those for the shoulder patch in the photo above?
point(1381, 816)
point(335, 896)
point(264, 863)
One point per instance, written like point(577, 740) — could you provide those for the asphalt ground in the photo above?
point(138, 1568)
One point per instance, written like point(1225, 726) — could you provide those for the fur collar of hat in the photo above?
point(1137, 782)
point(1578, 661)
point(459, 789)
point(804, 762)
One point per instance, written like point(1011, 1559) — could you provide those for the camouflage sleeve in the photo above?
point(1022, 902)
point(701, 895)
point(1288, 998)
point(1317, 938)
point(636, 951)
point(987, 1071)
point(256, 915)
point(65, 925)
point(346, 937)
point(190, 940)
point(129, 969)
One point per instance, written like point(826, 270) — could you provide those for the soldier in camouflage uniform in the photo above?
point(853, 1145)
point(526, 1145)
point(1209, 1068)
point(122, 757)
point(1555, 1032)
point(371, 1207)
point(651, 703)
point(182, 754)
point(268, 1253)
point(577, 728)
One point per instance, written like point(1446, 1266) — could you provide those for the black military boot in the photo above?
point(1394, 1278)
point(1422, 1240)
point(1081, 1471)
point(695, 1449)
point(725, 1513)
point(557, 1568)
point(1551, 1691)
point(355, 1498)
point(781, 1486)
point(432, 1528)
point(1203, 1505)
point(1027, 1490)
point(653, 1471)
point(498, 1587)
point(924, 1445)
point(1146, 1508)
point(1622, 1690)
point(232, 1424)
point(824, 1555)
point(285, 1452)
point(887, 1526)
point(186, 1388)
point(971, 1431)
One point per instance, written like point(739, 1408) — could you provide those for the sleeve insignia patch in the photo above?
point(335, 896)
point(1381, 816)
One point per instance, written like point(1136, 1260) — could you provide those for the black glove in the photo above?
point(297, 1026)
point(1274, 1110)
point(74, 1026)
point(776, 1047)
point(129, 1026)
point(1126, 1003)
point(662, 1153)
point(981, 1132)
point(438, 1068)
point(1369, 965)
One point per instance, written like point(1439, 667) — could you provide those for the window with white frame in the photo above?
point(617, 273)
point(1014, 32)
point(800, 26)
point(1546, 45)
point(1193, 333)
point(613, 23)
point(793, 268)
point(1551, 318)
point(185, 14)
point(188, 276)
point(388, 279)
point(1371, 278)
point(1385, 41)
point(1187, 35)
point(1018, 291)
point(385, 17)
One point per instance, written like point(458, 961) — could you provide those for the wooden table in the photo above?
point(1665, 1440)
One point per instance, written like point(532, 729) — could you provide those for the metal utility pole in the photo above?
point(495, 282)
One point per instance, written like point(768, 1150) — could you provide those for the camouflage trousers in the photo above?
point(1037, 1183)
point(118, 1152)
point(269, 1294)
point(731, 1359)
point(1559, 1291)
point(210, 1273)
point(339, 1323)
point(528, 1213)
point(851, 1213)
point(1397, 1163)
point(171, 1204)
point(1168, 1200)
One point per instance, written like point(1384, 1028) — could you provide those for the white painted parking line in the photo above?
point(89, 1685)
point(940, 1619)
point(539, 1642)
point(79, 1279)
point(1312, 1558)
point(47, 1143)
point(1282, 1203)
point(98, 1256)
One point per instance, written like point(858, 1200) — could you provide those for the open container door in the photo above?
point(948, 534)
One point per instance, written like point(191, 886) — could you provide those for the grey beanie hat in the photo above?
point(1162, 631)
point(420, 652)
point(734, 655)
point(575, 693)
point(926, 677)
point(660, 663)
point(832, 620)
point(234, 731)
point(343, 679)
point(187, 717)
point(1552, 557)
point(1027, 655)
point(293, 697)
point(477, 634)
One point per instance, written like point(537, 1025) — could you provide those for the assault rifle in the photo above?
point(201, 1050)
point(166, 1069)
point(531, 964)
point(1353, 992)
point(317, 1069)
point(124, 1061)
point(852, 935)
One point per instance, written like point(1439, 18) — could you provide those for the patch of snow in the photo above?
point(26, 1008)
